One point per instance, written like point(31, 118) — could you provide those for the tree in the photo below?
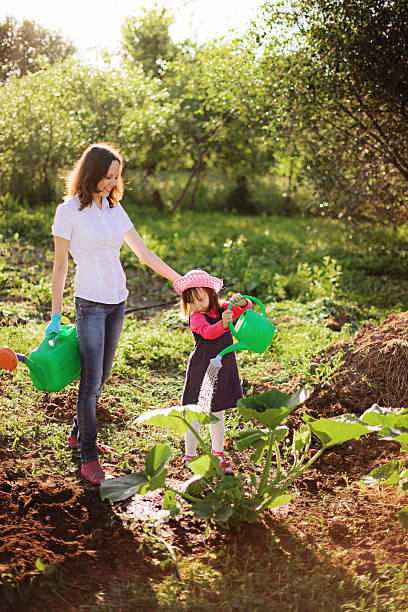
point(146, 40)
point(215, 120)
point(346, 90)
point(56, 113)
point(21, 46)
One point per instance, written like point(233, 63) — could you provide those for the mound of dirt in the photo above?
point(375, 370)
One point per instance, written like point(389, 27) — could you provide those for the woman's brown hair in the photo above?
point(90, 168)
point(188, 295)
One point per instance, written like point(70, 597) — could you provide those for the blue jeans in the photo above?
point(98, 328)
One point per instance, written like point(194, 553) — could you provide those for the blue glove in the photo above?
point(53, 325)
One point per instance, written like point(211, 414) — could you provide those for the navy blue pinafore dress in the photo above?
point(228, 387)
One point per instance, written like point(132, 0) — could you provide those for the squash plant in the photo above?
point(392, 424)
point(231, 500)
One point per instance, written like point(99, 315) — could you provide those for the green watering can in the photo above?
point(54, 364)
point(253, 331)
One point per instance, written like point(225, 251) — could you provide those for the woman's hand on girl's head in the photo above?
point(227, 316)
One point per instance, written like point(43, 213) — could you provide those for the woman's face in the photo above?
point(108, 182)
point(201, 301)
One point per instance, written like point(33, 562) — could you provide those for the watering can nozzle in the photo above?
point(217, 360)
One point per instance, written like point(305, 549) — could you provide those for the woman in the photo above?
point(91, 225)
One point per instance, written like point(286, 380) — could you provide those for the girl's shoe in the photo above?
point(224, 463)
point(185, 460)
point(93, 472)
point(102, 448)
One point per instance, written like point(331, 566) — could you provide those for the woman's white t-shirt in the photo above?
point(96, 236)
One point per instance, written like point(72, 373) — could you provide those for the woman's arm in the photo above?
point(59, 272)
point(146, 256)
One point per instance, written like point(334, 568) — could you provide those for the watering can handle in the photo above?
point(249, 297)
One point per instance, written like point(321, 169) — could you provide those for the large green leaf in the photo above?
point(202, 466)
point(169, 503)
point(151, 478)
point(388, 417)
point(123, 487)
point(337, 430)
point(279, 500)
point(139, 483)
point(398, 435)
point(211, 508)
point(156, 459)
point(389, 473)
point(172, 418)
point(270, 408)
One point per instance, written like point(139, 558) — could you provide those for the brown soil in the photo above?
point(63, 522)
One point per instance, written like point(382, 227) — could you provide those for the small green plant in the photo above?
point(231, 500)
point(310, 282)
point(391, 424)
point(323, 373)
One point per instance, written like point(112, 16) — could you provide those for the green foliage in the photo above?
point(391, 424)
point(20, 222)
point(324, 373)
point(146, 40)
point(310, 282)
point(56, 113)
point(342, 98)
point(151, 478)
point(325, 117)
point(228, 500)
point(23, 45)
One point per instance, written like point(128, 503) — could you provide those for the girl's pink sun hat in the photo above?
point(197, 278)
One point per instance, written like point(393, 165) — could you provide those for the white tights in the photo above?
point(216, 432)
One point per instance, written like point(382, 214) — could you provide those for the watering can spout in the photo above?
point(238, 346)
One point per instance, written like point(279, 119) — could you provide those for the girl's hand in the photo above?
point(240, 301)
point(227, 316)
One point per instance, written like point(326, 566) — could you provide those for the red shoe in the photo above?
point(93, 472)
point(72, 443)
point(185, 460)
point(102, 448)
point(224, 463)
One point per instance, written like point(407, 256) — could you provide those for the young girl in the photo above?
point(91, 225)
point(209, 320)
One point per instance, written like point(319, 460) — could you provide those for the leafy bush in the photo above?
point(310, 282)
point(19, 220)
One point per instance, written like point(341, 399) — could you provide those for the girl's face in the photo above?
point(108, 182)
point(201, 301)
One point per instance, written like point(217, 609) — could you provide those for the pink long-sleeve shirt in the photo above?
point(200, 325)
